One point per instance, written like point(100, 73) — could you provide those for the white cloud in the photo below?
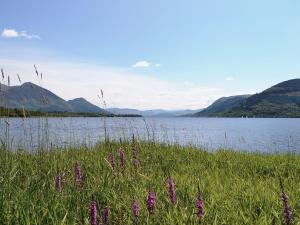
point(230, 78)
point(12, 33)
point(141, 64)
point(121, 88)
point(157, 65)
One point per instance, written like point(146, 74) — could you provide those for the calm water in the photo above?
point(267, 135)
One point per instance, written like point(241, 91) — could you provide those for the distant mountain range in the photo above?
point(153, 113)
point(280, 100)
point(33, 97)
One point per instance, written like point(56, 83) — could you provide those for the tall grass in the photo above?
point(237, 188)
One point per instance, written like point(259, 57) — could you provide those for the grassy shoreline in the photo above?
point(237, 187)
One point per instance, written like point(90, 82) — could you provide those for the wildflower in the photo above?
point(105, 215)
point(135, 210)
point(122, 158)
point(172, 192)
point(78, 172)
point(58, 182)
point(112, 161)
point(286, 208)
point(151, 201)
point(93, 213)
point(199, 206)
point(135, 160)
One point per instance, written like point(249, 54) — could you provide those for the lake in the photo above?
point(250, 134)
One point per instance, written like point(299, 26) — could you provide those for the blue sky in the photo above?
point(192, 52)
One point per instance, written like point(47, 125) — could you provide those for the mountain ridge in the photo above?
point(31, 96)
point(280, 100)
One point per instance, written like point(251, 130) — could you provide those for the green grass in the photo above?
point(237, 188)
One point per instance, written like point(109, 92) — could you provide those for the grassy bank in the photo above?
point(237, 188)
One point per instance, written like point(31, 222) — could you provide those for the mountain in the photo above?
point(33, 97)
point(152, 113)
point(83, 106)
point(280, 100)
point(222, 105)
point(3, 88)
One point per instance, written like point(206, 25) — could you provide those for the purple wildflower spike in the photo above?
point(93, 213)
point(151, 201)
point(58, 182)
point(286, 210)
point(78, 177)
point(135, 210)
point(105, 215)
point(112, 161)
point(135, 160)
point(122, 158)
point(172, 192)
point(199, 206)
point(286, 207)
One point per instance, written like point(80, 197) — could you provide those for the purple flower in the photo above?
point(172, 192)
point(122, 158)
point(58, 182)
point(105, 215)
point(135, 160)
point(286, 208)
point(78, 177)
point(151, 201)
point(93, 213)
point(135, 210)
point(112, 161)
point(199, 206)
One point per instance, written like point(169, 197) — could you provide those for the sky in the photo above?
point(151, 54)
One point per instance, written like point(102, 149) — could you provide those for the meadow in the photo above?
point(83, 185)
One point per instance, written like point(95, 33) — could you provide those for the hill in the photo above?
point(280, 100)
point(222, 105)
point(35, 98)
point(81, 105)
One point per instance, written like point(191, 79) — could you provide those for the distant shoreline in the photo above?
point(22, 113)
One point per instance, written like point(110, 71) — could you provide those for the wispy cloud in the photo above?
point(13, 33)
point(186, 83)
point(230, 78)
point(121, 88)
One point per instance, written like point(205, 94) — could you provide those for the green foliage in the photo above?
point(237, 187)
point(222, 105)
